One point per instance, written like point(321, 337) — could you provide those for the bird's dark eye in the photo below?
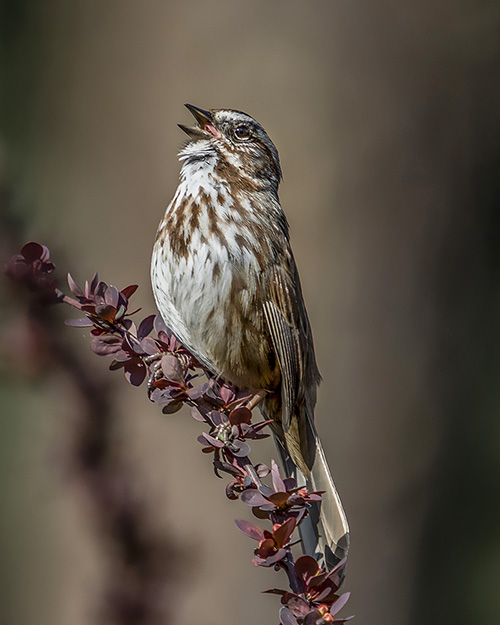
point(242, 133)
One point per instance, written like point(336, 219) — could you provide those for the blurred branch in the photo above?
point(140, 559)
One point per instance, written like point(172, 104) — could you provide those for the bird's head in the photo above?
point(238, 139)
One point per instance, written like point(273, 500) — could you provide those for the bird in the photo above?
point(226, 284)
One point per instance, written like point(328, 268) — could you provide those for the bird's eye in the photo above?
point(242, 133)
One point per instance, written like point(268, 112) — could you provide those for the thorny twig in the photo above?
point(174, 379)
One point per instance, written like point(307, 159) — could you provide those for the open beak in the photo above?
point(205, 124)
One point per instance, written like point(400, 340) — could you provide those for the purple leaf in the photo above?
point(324, 594)
point(262, 470)
point(251, 530)
point(240, 448)
point(94, 283)
point(146, 326)
point(228, 468)
point(100, 291)
point(265, 490)
point(312, 617)
point(135, 374)
point(253, 498)
point(339, 566)
point(172, 369)
point(297, 605)
point(278, 483)
point(197, 391)
point(196, 414)
point(275, 591)
point(79, 323)
point(287, 618)
point(148, 346)
point(111, 296)
point(211, 440)
point(104, 345)
point(159, 325)
point(340, 603)
point(217, 417)
point(226, 393)
point(75, 289)
point(173, 407)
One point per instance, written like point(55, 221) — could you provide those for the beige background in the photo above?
point(386, 118)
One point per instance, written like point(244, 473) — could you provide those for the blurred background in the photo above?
point(386, 116)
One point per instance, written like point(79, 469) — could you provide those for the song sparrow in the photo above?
point(226, 284)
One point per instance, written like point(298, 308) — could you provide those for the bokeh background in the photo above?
point(386, 116)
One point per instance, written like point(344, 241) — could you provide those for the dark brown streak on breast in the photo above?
point(194, 222)
point(179, 235)
point(213, 219)
point(216, 271)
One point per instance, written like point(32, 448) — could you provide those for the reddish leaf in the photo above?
point(106, 312)
point(306, 567)
point(283, 533)
point(32, 251)
point(251, 530)
point(327, 594)
point(279, 555)
point(240, 415)
point(128, 291)
point(279, 499)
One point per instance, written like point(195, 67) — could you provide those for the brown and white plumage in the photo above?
point(226, 284)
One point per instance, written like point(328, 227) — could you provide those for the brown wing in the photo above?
point(291, 337)
point(325, 531)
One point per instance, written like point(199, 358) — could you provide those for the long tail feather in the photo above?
point(325, 531)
